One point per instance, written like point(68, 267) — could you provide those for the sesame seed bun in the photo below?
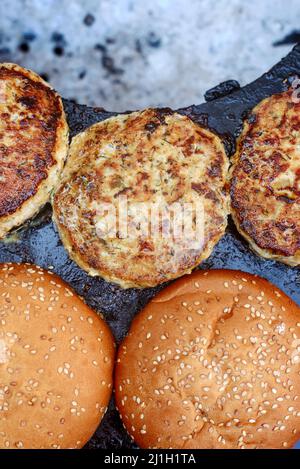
point(213, 361)
point(56, 362)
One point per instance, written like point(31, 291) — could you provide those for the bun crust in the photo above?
point(56, 362)
point(213, 361)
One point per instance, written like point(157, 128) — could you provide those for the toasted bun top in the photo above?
point(56, 360)
point(213, 362)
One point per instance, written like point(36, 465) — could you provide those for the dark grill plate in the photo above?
point(38, 242)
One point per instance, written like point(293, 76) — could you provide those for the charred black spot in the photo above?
point(39, 162)
point(24, 47)
point(23, 173)
point(153, 40)
point(286, 199)
point(28, 101)
point(44, 76)
point(82, 74)
point(162, 113)
point(252, 118)
point(151, 126)
point(89, 19)
point(110, 40)
point(58, 50)
point(285, 225)
point(57, 37)
point(100, 47)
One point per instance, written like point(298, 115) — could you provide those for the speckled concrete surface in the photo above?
point(126, 54)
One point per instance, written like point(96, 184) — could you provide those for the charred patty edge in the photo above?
point(30, 207)
point(276, 254)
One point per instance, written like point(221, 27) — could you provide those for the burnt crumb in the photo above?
point(57, 37)
point(100, 47)
point(59, 40)
point(151, 127)
point(29, 36)
point(82, 74)
point(138, 46)
point(24, 47)
point(27, 101)
point(153, 40)
point(110, 40)
point(58, 50)
point(292, 38)
point(109, 64)
point(89, 19)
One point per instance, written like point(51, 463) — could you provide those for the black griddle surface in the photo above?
point(39, 243)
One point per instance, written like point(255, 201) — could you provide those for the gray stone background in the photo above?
point(130, 54)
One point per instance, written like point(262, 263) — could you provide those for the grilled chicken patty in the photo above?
point(33, 144)
point(265, 179)
point(150, 157)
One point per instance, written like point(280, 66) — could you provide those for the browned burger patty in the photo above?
point(33, 144)
point(147, 157)
point(213, 361)
point(265, 179)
